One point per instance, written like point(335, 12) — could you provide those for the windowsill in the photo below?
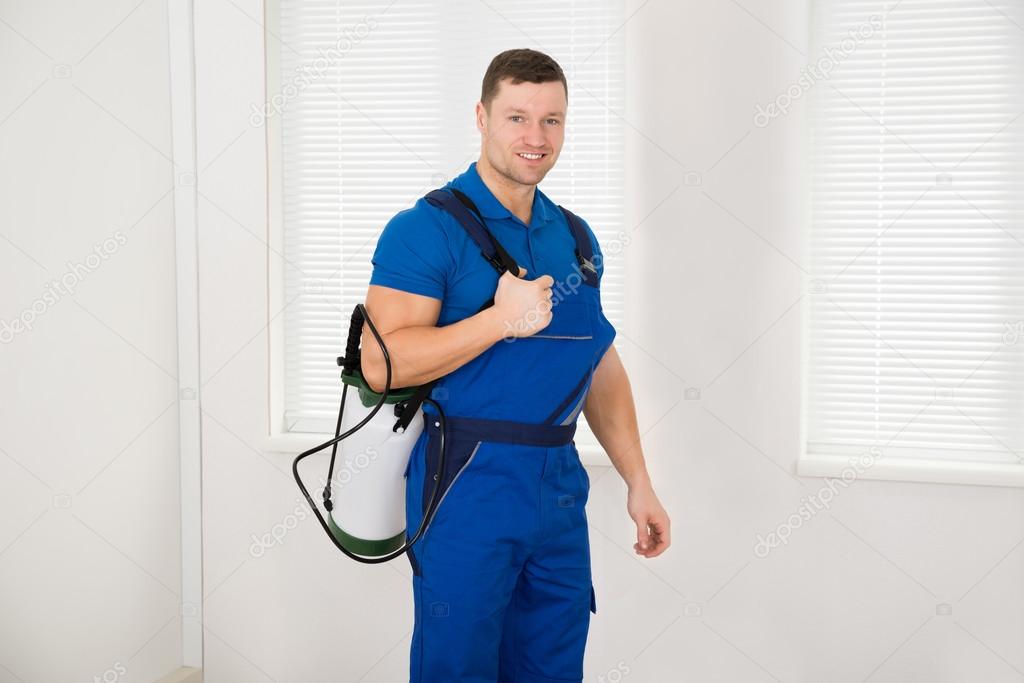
point(592, 456)
point(915, 470)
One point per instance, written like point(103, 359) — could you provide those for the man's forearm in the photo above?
point(422, 353)
point(611, 414)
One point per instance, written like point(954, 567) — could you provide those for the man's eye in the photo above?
point(555, 120)
point(515, 117)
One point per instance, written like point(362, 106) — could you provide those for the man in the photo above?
point(501, 575)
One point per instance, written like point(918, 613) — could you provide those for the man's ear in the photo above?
point(481, 118)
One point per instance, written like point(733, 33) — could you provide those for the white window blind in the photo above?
point(916, 315)
point(391, 117)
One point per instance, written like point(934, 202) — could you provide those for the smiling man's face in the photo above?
point(525, 119)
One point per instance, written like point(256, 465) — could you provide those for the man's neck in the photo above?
point(515, 197)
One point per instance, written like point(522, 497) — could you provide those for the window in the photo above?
point(370, 107)
point(915, 327)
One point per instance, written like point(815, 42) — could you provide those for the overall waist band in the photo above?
point(525, 433)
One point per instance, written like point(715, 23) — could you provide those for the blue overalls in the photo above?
point(501, 576)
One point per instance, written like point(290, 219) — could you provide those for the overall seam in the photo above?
point(561, 336)
point(419, 618)
point(451, 486)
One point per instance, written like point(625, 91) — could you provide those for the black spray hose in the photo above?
point(338, 437)
point(351, 362)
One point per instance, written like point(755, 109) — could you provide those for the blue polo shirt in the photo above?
point(424, 250)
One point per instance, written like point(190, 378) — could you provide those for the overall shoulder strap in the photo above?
point(584, 248)
point(460, 206)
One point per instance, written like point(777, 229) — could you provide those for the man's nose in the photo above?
point(536, 136)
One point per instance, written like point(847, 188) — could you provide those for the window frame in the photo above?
point(859, 463)
point(277, 439)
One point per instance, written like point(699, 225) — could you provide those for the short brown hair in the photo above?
point(521, 64)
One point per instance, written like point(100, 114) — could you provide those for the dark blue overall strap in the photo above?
point(461, 207)
point(505, 431)
point(570, 397)
point(584, 248)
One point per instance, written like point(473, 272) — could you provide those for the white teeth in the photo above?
point(530, 156)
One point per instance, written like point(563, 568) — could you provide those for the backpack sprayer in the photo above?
point(368, 522)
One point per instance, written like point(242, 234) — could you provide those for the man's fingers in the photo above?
point(658, 549)
point(660, 527)
point(642, 536)
point(653, 537)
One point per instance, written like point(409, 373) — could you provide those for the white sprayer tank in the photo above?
point(368, 486)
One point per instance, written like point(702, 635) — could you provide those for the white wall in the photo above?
point(89, 514)
point(857, 592)
point(718, 214)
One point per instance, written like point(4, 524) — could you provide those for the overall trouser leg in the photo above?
point(507, 543)
point(548, 618)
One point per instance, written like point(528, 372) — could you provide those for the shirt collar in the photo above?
point(473, 185)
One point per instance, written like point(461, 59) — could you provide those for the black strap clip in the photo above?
point(584, 263)
point(495, 261)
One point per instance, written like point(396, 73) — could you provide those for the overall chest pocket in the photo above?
point(570, 319)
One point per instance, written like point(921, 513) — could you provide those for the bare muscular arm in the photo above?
point(420, 351)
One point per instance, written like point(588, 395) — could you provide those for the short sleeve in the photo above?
point(413, 254)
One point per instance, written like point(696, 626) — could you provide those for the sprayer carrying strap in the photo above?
point(459, 205)
point(491, 248)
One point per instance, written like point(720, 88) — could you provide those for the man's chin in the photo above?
point(529, 176)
